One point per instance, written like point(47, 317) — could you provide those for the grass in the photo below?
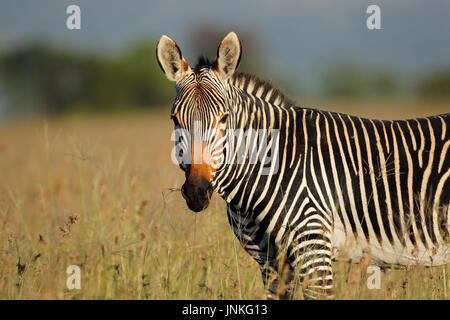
point(97, 193)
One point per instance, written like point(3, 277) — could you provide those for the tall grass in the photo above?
point(103, 194)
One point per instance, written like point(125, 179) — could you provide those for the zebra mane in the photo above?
point(260, 88)
point(202, 62)
point(251, 84)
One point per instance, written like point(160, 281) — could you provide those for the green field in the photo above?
point(101, 193)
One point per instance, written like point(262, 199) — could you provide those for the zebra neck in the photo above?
point(271, 142)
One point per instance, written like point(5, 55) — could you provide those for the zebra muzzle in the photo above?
point(197, 194)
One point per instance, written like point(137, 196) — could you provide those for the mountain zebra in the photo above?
point(342, 186)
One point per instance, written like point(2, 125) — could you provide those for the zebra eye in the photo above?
point(175, 120)
point(224, 118)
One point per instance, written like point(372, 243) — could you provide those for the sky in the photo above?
point(298, 38)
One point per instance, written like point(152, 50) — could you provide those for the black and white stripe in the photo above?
point(344, 186)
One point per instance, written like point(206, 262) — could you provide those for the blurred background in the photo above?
point(319, 52)
point(86, 176)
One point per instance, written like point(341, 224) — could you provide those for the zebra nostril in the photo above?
point(183, 192)
point(188, 193)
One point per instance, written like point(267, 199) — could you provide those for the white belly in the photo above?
point(348, 248)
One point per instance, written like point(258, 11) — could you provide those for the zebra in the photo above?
point(344, 187)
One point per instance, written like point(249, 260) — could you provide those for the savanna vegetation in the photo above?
point(101, 192)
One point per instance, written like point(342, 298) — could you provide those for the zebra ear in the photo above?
point(170, 59)
point(228, 56)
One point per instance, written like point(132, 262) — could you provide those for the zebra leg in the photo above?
point(311, 257)
point(265, 256)
point(278, 278)
point(277, 274)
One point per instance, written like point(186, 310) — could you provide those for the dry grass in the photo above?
point(96, 193)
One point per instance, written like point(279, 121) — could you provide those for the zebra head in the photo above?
point(201, 114)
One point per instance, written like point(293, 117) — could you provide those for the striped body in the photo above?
point(353, 187)
point(336, 186)
point(391, 188)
